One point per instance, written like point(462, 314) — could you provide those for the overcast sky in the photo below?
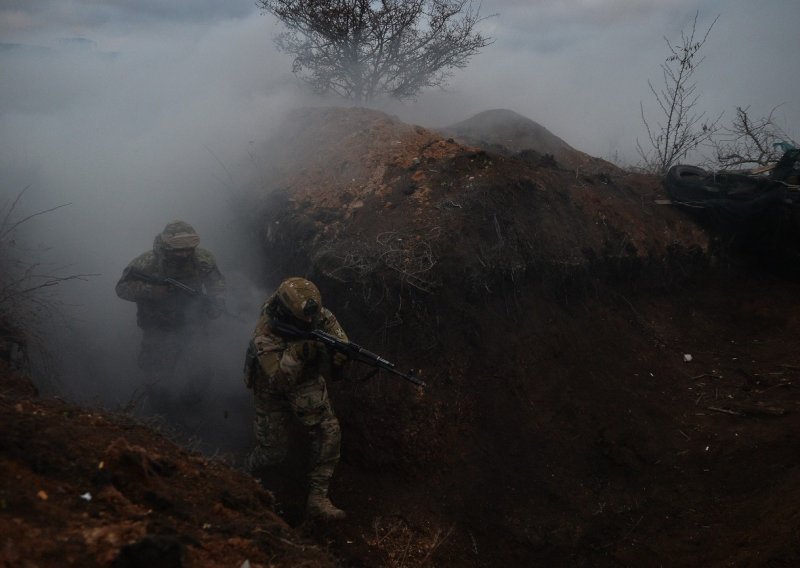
point(579, 67)
point(140, 111)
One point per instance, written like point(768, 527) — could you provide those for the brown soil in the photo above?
point(86, 488)
point(552, 315)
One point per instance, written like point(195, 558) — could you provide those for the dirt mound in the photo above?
point(85, 488)
point(598, 394)
point(365, 193)
point(505, 132)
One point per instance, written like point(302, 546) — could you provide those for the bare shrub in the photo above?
point(26, 286)
point(750, 142)
point(680, 127)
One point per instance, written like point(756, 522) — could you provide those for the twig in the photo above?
point(31, 216)
point(9, 292)
point(474, 543)
point(624, 536)
point(725, 411)
point(272, 536)
point(437, 543)
point(633, 528)
point(14, 205)
point(705, 375)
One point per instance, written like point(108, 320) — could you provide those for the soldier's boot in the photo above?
point(325, 440)
point(320, 507)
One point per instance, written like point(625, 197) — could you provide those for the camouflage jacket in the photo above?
point(277, 364)
point(175, 308)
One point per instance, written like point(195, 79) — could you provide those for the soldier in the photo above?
point(287, 378)
point(177, 287)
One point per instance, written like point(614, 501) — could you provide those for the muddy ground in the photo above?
point(609, 382)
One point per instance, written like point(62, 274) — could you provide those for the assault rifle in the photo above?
point(138, 274)
point(352, 350)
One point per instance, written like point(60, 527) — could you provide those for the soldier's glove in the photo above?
point(338, 359)
point(307, 350)
point(338, 365)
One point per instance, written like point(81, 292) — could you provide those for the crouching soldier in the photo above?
point(287, 376)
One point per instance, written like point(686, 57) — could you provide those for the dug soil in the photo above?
point(608, 382)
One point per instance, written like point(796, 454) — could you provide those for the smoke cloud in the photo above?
point(136, 113)
point(162, 128)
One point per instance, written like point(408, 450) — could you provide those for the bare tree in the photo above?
point(681, 128)
point(361, 49)
point(750, 142)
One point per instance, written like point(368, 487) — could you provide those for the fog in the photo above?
point(580, 67)
point(163, 129)
point(137, 113)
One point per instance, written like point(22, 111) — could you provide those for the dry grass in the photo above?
point(405, 546)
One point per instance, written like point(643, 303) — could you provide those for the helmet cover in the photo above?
point(300, 297)
point(179, 235)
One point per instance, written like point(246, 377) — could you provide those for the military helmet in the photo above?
point(300, 297)
point(179, 235)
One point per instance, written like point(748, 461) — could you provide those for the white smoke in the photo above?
point(161, 128)
point(137, 113)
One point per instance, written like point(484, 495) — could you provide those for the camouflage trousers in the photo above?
point(307, 403)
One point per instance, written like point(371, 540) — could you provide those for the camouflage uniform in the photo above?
point(288, 381)
point(165, 314)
